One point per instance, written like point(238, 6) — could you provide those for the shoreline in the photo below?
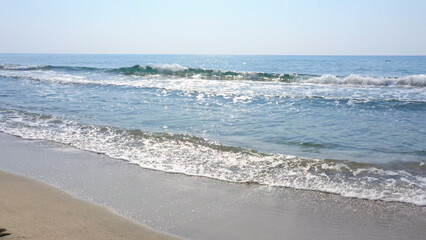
point(201, 208)
point(34, 210)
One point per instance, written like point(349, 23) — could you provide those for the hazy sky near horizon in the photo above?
point(305, 27)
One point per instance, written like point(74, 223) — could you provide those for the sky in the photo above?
point(286, 27)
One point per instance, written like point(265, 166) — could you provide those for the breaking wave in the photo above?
point(357, 80)
point(240, 91)
point(192, 155)
point(177, 71)
point(23, 67)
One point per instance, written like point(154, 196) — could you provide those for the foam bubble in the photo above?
point(193, 155)
point(358, 80)
point(22, 67)
point(238, 90)
point(178, 71)
point(171, 67)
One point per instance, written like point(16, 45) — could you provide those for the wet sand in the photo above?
point(201, 208)
point(33, 210)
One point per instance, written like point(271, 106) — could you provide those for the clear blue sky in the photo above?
point(309, 27)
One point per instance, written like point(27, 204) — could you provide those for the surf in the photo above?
point(196, 156)
point(162, 71)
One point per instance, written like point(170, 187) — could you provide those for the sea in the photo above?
point(348, 125)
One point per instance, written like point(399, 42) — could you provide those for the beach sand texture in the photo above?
point(33, 210)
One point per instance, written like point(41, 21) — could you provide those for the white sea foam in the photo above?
point(48, 76)
point(20, 67)
point(326, 87)
point(358, 80)
point(175, 71)
point(196, 156)
point(169, 67)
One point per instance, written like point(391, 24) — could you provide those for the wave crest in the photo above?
point(176, 70)
point(358, 80)
point(166, 71)
point(16, 67)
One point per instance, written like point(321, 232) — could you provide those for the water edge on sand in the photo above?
point(201, 208)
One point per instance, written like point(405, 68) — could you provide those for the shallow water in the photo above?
point(353, 126)
point(200, 208)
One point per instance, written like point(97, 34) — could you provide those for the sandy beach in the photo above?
point(214, 120)
point(33, 210)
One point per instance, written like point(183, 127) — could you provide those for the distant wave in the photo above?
point(357, 80)
point(192, 155)
point(165, 70)
point(178, 71)
point(238, 91)
point(16, 67)
point(23, 67)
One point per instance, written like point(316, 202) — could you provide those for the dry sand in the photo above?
point(33, 210)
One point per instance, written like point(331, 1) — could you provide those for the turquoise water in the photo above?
point(347, 125)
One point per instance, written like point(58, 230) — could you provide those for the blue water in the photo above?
point(351, 125)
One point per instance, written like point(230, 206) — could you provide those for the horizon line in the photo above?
point(210, 54)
